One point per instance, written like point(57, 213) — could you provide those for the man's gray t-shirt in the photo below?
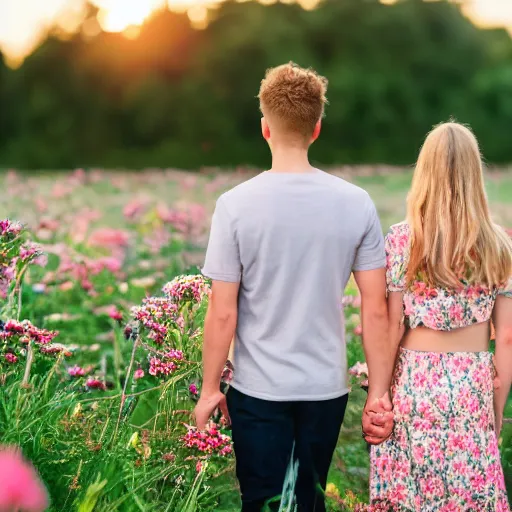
point(292, 241)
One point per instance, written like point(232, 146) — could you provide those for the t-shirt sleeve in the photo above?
point(370, 254)
point(396, 245)
point(222, 262)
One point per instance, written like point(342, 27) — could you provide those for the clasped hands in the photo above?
point(377, 422)
point(378, 419)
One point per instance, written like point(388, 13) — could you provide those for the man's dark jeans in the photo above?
point(264, 434)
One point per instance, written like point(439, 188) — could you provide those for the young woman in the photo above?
point(449, 274)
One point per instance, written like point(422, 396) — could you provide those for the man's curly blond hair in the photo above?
point(293, 98)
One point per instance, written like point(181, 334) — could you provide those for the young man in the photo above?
point(281, 250)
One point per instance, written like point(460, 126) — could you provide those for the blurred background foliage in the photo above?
point(181, 97)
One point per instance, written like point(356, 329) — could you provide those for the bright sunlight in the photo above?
point(24, 23)
point(117, 15)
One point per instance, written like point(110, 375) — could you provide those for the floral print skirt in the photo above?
point(443, 455)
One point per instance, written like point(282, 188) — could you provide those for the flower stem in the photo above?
point(28, 365)
point(127, 378)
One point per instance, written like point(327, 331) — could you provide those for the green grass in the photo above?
point(62, 454)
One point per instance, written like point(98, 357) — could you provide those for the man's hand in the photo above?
point(377, 419)
point(207, 405)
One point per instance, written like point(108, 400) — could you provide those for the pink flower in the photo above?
point(348, 300)
point(159, 238)
point(209, 441)
point(115, 314)
point(138, 374)
point(133, 209)
point(61, 190)
point(10, 358)
point(358, 330)
point(157, 367)
point(66, 286)
point(26, 332)
point(11, 228)
point(187, 289)
point(20, 486)
point(155, 314)
point(48, 224)
point(52, 349)
point(359, 369)
point(76, 371)
point(177, 355)
point(95, 384)
point(227, 372)
point(29, 251)
point(108, 263)
point(164, 213)
point(109, 237)
point(193, 389)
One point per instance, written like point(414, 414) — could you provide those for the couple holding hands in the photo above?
point(282, 248)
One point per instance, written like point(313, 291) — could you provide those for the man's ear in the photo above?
point(316, 131)
point(265, 130)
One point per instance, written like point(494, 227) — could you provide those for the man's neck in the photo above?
point(290, 160)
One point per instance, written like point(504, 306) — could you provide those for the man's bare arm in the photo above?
point(219, 329)
point(377, 421)
point(378, 347)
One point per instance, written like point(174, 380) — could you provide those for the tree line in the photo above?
point(181, 97)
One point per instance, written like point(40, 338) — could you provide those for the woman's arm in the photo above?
point(502, 320)
point(395, 316)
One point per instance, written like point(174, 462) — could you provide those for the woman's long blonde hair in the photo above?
point(452, 234)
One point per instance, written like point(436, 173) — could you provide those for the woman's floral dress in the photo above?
point(443, 455)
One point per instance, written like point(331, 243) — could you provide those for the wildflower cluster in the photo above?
point(15, 254)
point(34, 253)
point(93, 383)
point(193, 288)
point(360, 371)
point(77, 268)
point(210, 441)
point(351, 301)
point(10, 229)
point(161, 323)
point(78, 371)
point(189, 219)
point(26, 332)
point(157, 315)
point(16, 336)
point(166, 365)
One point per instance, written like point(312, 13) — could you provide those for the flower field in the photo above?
point(101, 336)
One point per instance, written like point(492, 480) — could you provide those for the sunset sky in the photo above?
point(23, 23)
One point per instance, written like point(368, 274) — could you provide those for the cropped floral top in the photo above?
point(440, 309)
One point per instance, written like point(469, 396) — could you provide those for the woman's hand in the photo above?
point(378, 419)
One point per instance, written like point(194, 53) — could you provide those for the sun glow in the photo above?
point(25, 23)
point(118, 15)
